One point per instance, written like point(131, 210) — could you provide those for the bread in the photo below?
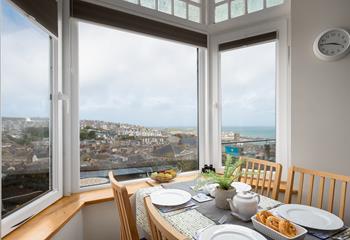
point(278, 224)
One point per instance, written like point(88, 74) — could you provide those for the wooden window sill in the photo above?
point(48, 222)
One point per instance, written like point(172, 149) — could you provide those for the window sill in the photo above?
point(48, 222)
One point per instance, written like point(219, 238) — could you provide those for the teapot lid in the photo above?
point(246, 195)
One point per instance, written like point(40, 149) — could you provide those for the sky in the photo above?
point(248, 86)
point(131, 78)
point(25, 66)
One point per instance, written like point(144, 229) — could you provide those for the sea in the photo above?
point(246, 131)
point(255, 131)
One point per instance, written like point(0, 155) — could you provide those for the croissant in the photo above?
point(263, 215)
point(287, 228)
point(273, 222)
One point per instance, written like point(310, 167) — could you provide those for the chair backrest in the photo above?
point(160, 228)
point(323, 178)
point(262, 175)
point(128, 229)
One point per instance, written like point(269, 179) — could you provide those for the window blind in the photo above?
point(248, 41)
point(111, 17)
point(43, 11)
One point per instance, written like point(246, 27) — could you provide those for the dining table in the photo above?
point(191, 220)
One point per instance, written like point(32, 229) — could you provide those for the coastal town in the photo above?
point(107, 145)
point(131, 151)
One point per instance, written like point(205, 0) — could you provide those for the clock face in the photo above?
point(332, 44)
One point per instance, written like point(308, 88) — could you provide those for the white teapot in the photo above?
point(244, 205)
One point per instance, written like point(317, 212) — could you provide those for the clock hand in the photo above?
point(337, 44)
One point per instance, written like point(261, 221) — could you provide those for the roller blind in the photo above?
point(43, 11)
point(107, 16)
point(248, 41)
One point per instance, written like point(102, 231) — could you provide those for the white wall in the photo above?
point(101, 222)
point(73, 230)
point(94, 222)
point(320, 91)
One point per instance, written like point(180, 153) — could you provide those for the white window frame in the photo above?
point(154, 14)
point(73, 87)
point(229, 2)
point(26, 212)
point(283, 108)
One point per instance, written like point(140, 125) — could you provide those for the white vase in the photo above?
point(221, 197)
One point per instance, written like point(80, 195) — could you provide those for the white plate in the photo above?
point(310, 217)
point(229, 232)
point(241, 187)
point(170, 197)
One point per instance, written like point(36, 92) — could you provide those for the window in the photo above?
point(226, 9)
point(29, 177)
point(138, 105)
point(187, 9)
point(248, 85)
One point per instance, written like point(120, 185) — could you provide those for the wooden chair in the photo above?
point(128, 229)
point(160, 228)
point(323, 177)
point(263, 175)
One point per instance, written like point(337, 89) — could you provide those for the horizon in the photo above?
point(150, 126)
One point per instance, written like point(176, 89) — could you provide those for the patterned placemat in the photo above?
point(268, 203)
point(188, 222)
point(141, 214)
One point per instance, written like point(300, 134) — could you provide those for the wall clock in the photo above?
point(332, 44)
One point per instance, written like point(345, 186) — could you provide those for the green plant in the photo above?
point(231, 173)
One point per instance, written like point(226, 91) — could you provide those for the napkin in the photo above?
point(343, 235)
point(327, 234)
point(201, 197)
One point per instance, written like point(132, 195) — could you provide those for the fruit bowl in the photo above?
point(164, 176)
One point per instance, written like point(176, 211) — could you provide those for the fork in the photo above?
point(222, 220)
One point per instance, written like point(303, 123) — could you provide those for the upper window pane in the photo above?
point(221, 12)
point(25, 110)
point(186, 9)
point(240, 7)
point(138, 104)
point(248, 85)
point(164, 6)
point(132, 1)
point(180, 8)
point(148, 3)
point(237, 8)
point(255, 5)
point(193, 13)
point(271, 3)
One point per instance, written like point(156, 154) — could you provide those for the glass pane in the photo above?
point(248, 86)
point(148, 3)
point(255, 5)
point(25, 110)
point(221, 13)
point(138, 105)
point(164, 6)
point(180, 8)
point(193, 13)
point(271, 3)
point(237, 8)
point(132, 1)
